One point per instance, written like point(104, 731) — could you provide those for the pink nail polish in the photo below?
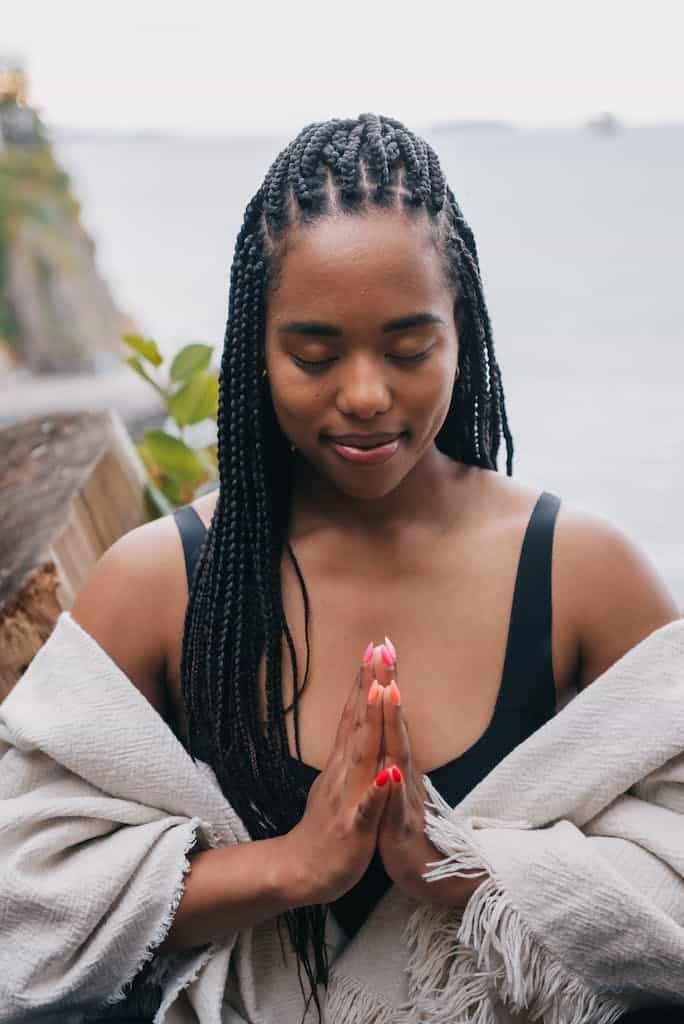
point(386, 656)
point(394, 694)
point(391, 648)
point(367, 654)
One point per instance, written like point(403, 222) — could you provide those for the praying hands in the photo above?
point(404, 847)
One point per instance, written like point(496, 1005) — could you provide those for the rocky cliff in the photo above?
point(56, 312)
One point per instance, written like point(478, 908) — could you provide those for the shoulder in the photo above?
point(606, 594)
point(130, 600)
point(133, 602)
point(205, 506)
point(611, 592)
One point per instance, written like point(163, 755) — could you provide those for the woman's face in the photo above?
point(364, 296)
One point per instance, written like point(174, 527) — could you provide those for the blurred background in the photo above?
point(132, 136)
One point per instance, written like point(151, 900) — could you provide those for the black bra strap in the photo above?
point(528, 669)
point(192, 531)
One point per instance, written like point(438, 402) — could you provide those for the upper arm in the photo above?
point(616, 596)
point(125, 603)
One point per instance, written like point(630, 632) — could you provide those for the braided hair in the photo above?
point(235, 613)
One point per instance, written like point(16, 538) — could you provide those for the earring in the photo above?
point(293, 448)
point(264, 373)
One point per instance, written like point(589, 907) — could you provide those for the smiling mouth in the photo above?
point(373, 455)
point(363, 443)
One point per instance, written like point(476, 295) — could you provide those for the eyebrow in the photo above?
point(315, 327)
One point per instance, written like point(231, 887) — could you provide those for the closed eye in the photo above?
point(319, 364)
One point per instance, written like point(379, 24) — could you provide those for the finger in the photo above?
point(384, 663)
point(397, 747)
point(349, 714)
point(392, 651)
point(371, 806)
point(365, 679)
point(365, 751)
point(367, 673)
point(383, 659)
point(395, 812)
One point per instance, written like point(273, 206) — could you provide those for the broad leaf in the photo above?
point(173, 457)
point(145, 347)
point(189, 360)
point(197, 400)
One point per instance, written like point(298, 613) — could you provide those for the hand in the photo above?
point(404, 846)
point(331, 846)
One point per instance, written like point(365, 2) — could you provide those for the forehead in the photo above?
point(381, 257)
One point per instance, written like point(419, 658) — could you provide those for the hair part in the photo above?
point(235, 615)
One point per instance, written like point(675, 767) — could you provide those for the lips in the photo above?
point(369, 456)
point(364, 441)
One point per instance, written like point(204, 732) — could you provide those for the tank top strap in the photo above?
point(192, 533)
point(528, 679)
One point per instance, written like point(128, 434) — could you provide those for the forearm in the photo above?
point(232, 888)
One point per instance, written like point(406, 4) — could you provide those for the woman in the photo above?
point(361, 414)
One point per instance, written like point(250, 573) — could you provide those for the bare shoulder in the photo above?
point(611, 590)
point(607, 595)
point(130, 600)
point(205, 506)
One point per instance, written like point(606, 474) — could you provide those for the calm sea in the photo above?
point(581, 245)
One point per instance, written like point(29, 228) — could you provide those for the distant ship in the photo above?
point(604, 124)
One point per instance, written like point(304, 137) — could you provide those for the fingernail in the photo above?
point(374, 692)
point(394, 694)
point(367, 654)
point(382, 778)
point(386, 656)
point(396, 774)
point(391, 648)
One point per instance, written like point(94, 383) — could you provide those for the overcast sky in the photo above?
point(212, 65)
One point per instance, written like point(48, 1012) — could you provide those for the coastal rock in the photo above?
point(63, 309)
point(57, 314)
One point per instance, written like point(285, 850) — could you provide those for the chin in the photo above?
point(375, 487)
point(367, 494)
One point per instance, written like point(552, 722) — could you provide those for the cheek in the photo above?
point(295, 400)
point(431, 389)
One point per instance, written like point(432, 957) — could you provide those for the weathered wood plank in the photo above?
point(70, 485)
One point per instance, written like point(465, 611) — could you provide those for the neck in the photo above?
point(423, 499)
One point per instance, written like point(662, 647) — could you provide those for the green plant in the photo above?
point(177, 468)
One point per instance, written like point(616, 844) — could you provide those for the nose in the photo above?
point(363, 391)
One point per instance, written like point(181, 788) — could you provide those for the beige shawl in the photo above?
point(580, 828)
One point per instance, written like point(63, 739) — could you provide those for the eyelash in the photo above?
point(306, 364)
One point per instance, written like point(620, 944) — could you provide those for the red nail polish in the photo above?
point(391, 648)
point(396, 774)
point(367, 654)
point(382, 778)
point(386, 656)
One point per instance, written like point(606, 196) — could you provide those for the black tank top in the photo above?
point(526, 698)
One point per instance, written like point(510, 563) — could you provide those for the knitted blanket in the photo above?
point(580, 830)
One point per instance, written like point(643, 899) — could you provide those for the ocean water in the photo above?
point(581, 244)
